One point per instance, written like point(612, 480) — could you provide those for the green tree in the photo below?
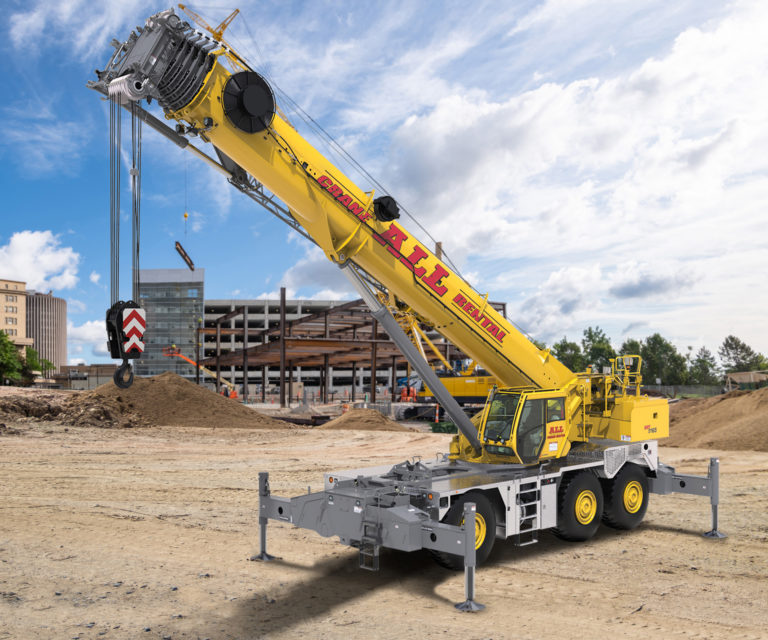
point(597, 348)
point(631, 347)
point(736, 355)
point(703, 368)
point(569, 353)
point(45, 366)
point(29, 366)
point(661, 360)
point(10, 363)
point(539, 343)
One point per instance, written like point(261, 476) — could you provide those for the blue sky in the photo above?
point(588, 162)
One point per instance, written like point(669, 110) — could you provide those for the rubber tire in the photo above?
point(568, 527)
point(454, 516)
point(615, 514)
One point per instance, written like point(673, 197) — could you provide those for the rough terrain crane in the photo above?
point(552, 449)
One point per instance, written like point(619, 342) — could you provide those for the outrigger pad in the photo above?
point(126, 324)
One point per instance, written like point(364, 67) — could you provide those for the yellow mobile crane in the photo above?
point(552, 449)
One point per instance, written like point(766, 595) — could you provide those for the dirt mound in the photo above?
point(363, 420)
point(733, 421)
point(40, 406)
point(164, 400)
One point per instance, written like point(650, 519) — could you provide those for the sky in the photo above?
point(591, 163)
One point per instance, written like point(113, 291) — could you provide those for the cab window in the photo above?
point(530, 432)
point(499, 423)
point(555, 409)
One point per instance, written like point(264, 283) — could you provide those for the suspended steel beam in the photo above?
point(184, 256)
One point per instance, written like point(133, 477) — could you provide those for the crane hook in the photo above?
point(119, 375)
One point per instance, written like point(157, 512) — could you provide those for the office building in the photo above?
point(13, 319)
point(173, 300)
point(47, 327)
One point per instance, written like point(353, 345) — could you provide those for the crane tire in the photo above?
point(485, 526)
point(626, 498)
point(579, 507)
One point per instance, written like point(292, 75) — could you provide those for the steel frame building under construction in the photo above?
point(330, 351)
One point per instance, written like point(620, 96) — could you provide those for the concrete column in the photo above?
point(245, 354)
point(394, 378)
point(218, 357)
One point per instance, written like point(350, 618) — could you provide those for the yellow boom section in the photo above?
point(339, 217)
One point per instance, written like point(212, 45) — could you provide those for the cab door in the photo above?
point(556, 431)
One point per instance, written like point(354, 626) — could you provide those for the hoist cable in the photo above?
point(135, 197)
point(115, 133)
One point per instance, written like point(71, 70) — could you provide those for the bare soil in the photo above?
point(734, 421)
point(363, 420)
point(147, 533)
point(166, 399)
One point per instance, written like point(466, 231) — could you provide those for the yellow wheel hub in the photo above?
point(633, 496)
point(481, 530)
point(586, 506)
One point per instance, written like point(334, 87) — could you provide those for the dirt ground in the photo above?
point(146, 533)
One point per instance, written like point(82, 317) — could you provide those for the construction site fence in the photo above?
point(677, 391)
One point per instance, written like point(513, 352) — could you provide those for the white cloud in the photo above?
point(661, 165)
point(37, 258)
point(196, 221)
point(89, 338)
point(94, 277)
point(84, 29)
point(76, 306)
point(90, 331)
point(315, 276)
point(44, 146)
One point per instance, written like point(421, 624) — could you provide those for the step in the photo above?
point(368, 558)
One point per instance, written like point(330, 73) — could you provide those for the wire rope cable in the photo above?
point(115, 123)
point(136, 133)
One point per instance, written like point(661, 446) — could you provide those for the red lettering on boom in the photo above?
point(394, 237)
point(434, 280)
point(480, 318)
point(343, 198)
point(412, 260)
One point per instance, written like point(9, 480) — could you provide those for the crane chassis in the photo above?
point(403, 507)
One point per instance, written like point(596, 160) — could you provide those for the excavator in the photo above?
point(552, 448)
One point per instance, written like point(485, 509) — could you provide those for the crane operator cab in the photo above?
point(523, 426)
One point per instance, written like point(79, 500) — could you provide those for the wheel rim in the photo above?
point(586, 507)
point(633, 496)
point(481, 530)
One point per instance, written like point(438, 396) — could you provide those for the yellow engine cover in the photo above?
point(634, 419)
